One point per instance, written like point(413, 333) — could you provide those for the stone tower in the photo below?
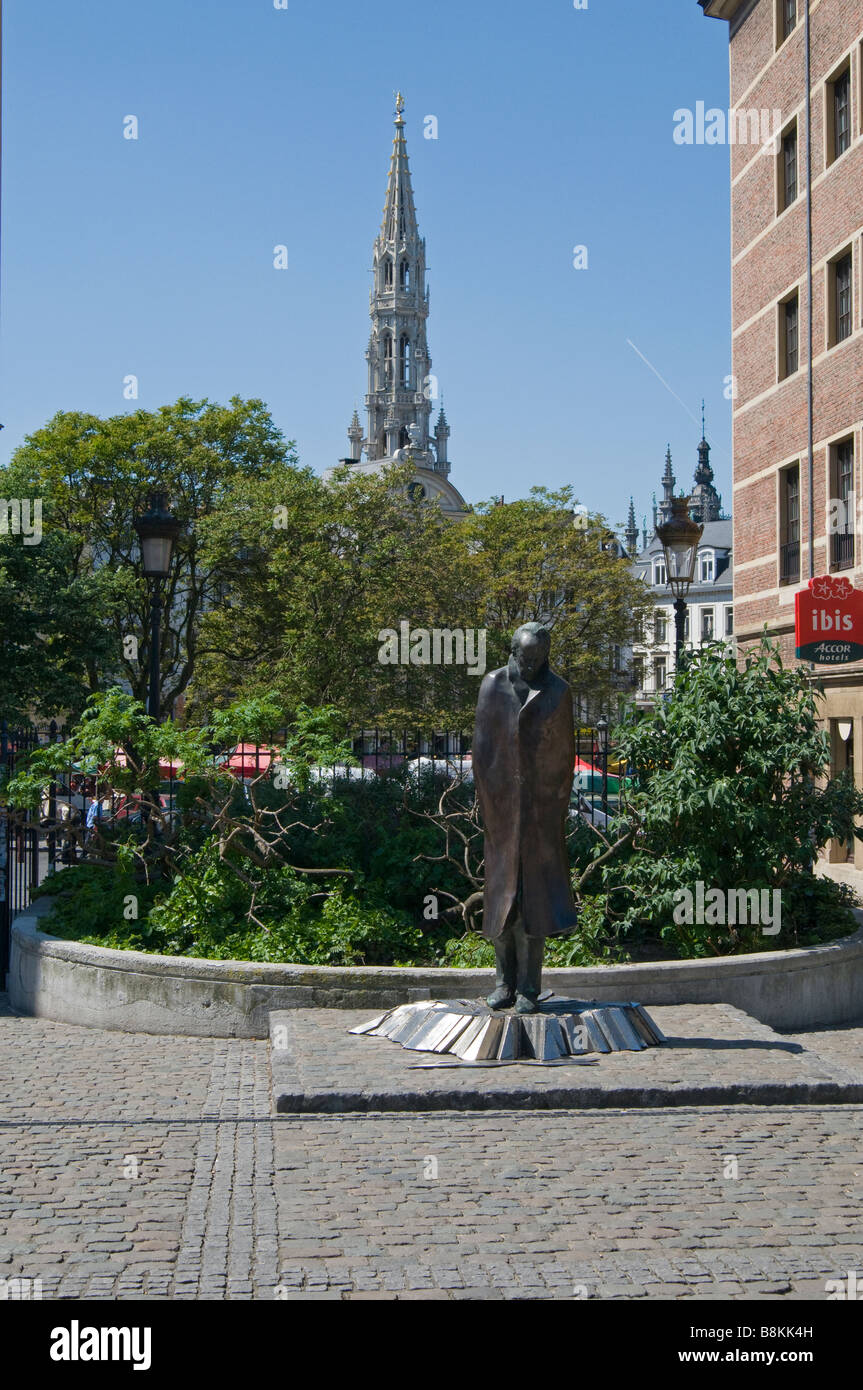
point(399, 392)
point(401, 388)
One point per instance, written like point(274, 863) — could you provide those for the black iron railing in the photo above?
point(842, 550)
point(789, 563)
point(77, 806)
point(25, 851)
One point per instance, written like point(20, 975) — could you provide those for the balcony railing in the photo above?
point(789, 563)
point(842, 550)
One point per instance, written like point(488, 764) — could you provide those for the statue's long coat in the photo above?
point(523, 766)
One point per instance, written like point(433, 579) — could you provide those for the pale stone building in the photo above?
point(710, 605)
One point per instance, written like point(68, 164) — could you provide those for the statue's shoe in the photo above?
point(524, 1004)
point(502, 998)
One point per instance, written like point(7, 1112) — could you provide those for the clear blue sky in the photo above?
point(261, 126)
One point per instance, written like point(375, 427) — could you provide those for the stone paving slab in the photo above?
point(715, 1054)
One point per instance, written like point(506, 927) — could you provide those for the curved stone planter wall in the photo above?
point(136, 992)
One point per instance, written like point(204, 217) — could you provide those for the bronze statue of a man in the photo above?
point(524, 764)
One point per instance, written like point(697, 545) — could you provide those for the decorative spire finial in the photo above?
point(400, 106)
point(703, 434)
point(631, 532)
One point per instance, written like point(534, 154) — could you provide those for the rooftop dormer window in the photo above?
point(707, 567)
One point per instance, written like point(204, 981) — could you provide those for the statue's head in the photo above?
point(530, 647)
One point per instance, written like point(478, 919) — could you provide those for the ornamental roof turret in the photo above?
point(705, 504)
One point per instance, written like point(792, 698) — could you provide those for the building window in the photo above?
point(388, 359)
point(659, 673)
point(660, 574)
point(707, 624)
point(789, 316)
point(405, 275)
point(660, 627)
point(789, 521)
point(838, 115)
point(686, 625)
point(388, 274)
point(405, 361)
point(788, 168)
point(729, 621)
point(840, 300)
point(638, 672)
point(707, 568)
point(842, 505)
point(787, 19)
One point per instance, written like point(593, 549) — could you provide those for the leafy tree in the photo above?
point(284, 582)
point(306, 598)
point(55, 628)
point(94, 476)
point(313, 572)
point(538, 560)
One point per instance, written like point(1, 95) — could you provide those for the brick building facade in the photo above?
point(797, 297)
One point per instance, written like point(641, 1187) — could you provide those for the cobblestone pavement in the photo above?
point(135, 1166)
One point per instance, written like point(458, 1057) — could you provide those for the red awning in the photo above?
point(248, 760)
point(167, 770)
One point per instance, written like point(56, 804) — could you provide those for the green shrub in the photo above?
point(91, 903)
point(730, 790)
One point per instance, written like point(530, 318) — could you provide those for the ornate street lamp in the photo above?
point(679, 536)
point(157, 531)
point(602, 740)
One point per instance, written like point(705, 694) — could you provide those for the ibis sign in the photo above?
point(828, 621)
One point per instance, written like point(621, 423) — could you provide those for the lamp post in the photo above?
point(157, 531)
point(602, 739)
point(679, 536)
